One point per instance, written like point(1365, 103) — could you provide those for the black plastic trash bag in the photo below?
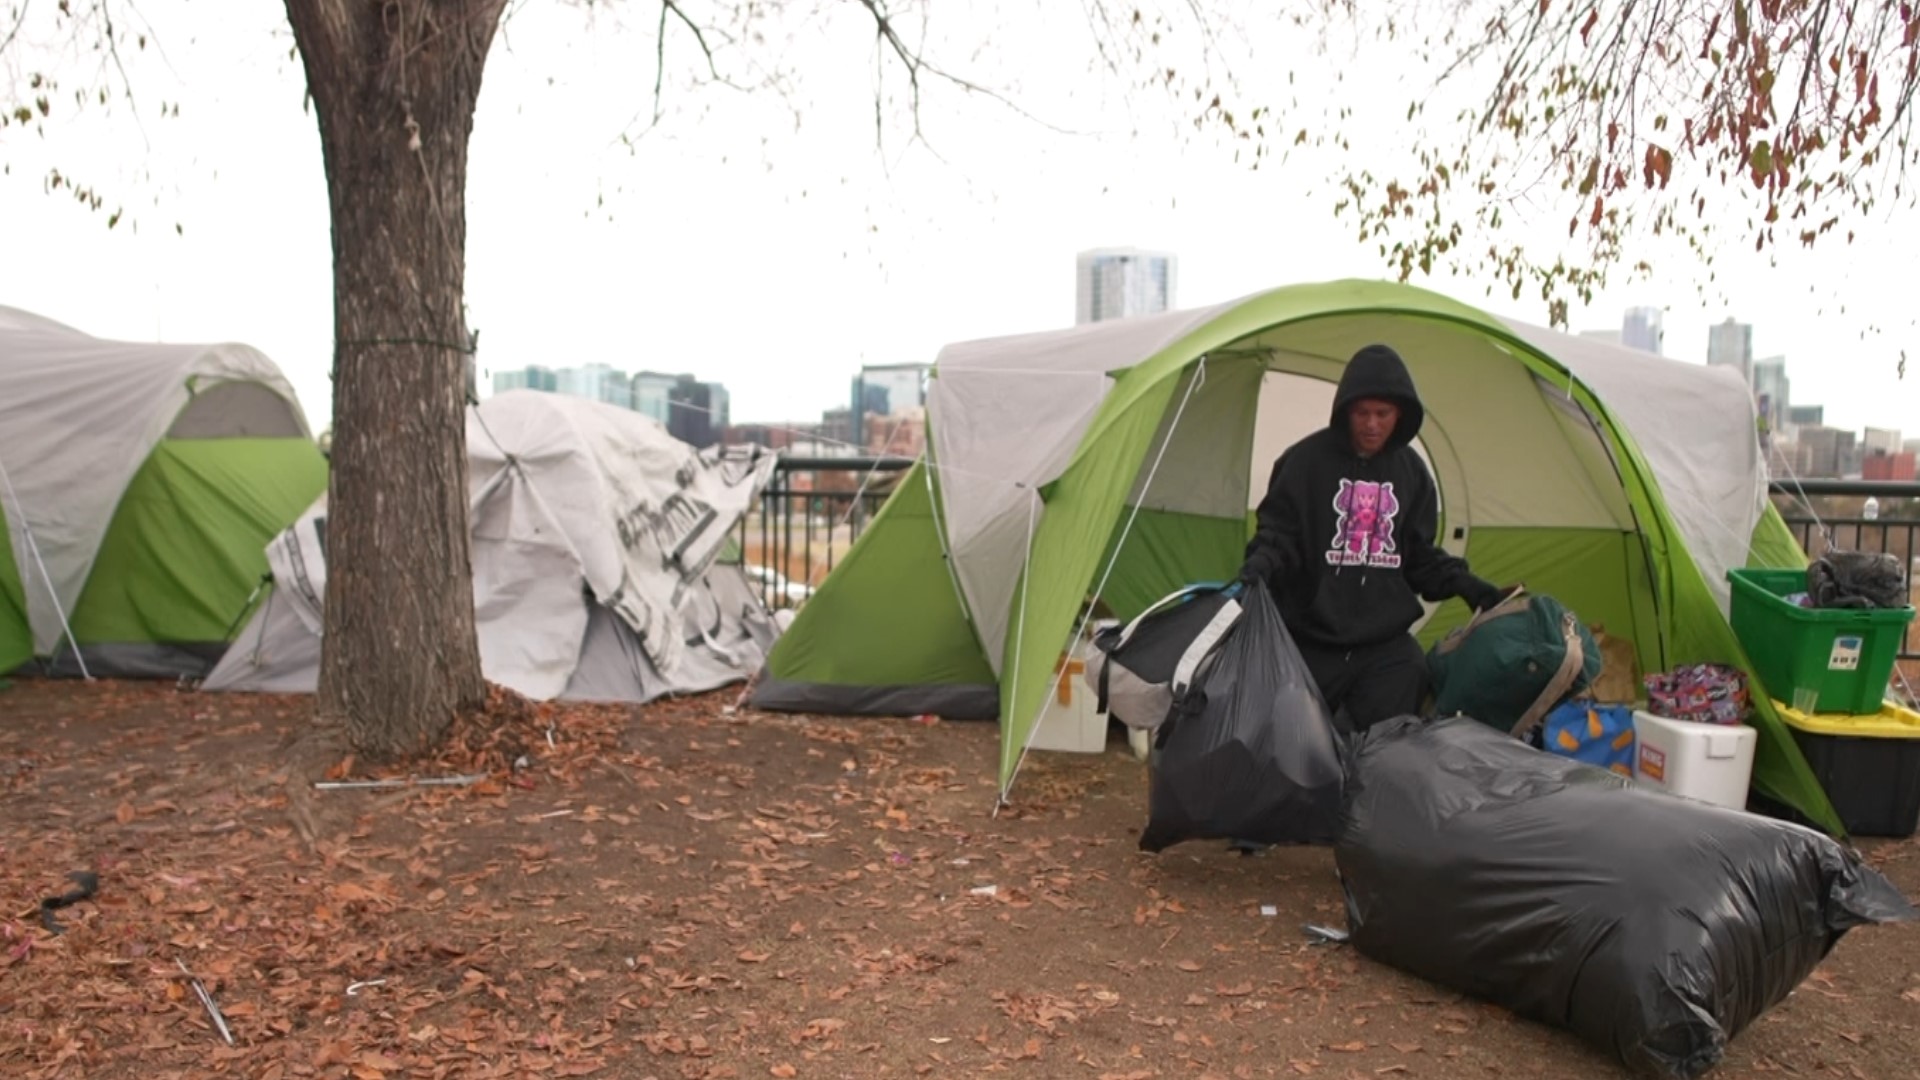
point(1249, 751)
point(1655, 928)
point(1856, 579)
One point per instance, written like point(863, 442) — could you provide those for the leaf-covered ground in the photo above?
point(687, 890)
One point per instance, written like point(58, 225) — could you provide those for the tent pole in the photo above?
point(33, 548)
point(1019, 645)
point(1198, 380)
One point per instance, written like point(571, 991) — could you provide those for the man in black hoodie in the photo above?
point(1345, 542)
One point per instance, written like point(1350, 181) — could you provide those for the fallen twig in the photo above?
point(410, 781)
point(206, 999)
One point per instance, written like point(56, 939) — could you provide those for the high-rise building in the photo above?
point(691, 412)
point(1644, 329)
point(596, 382)
point(1806, 415)
point(1730, 344)
point(1825, 452)
point(531, 377)
point(653, 394)
point(1880, 440)
point(1772, 392)
point(1117, 283)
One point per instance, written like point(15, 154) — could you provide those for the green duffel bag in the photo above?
point(1513, 663)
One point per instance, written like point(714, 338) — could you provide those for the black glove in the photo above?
point(1483, 596)
point(1253, 572)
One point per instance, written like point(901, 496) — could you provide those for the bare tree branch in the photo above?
point(915, 62)
point(20, 20)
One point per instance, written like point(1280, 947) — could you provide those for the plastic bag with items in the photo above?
point(1248, 751)
point(1572, 897)
point(1701, 693)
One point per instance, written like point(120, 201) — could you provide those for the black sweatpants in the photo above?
point(1373, 683)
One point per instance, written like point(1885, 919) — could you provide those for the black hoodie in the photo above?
point(1345, 542)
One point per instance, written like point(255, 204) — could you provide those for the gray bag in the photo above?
point(1138, 669)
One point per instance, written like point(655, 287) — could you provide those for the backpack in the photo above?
point(1514, 662)
point(1133, 669)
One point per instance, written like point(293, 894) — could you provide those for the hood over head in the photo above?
point(1378, 372)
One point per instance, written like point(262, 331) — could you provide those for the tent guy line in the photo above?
point(1195, 383)
point(33, 550)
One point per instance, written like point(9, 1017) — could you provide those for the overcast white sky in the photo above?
point(778, 260)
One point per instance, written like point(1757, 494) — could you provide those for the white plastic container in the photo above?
point(1712, 763)
point(1072, 721)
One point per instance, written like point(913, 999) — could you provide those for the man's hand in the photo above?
point(1252, 572)
point(1486, 597)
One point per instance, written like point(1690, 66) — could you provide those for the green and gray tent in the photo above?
point(1119, 461)
point(139, 484)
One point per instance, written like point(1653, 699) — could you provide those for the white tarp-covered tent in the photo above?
point(597, 561)
point(158, 458)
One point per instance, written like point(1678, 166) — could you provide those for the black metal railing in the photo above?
point(808, 518)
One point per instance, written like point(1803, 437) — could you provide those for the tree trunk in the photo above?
point(394, 85)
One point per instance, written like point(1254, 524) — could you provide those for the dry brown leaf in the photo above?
point(784, 1071)
point(748, 956)
point(1188, 965)
point(1353, 1047)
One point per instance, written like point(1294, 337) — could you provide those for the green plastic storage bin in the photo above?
point(1841, 658)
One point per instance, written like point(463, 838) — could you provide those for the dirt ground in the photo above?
point(686, 890)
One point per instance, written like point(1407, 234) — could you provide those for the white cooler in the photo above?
point(1073, 721)
point(1709, 762)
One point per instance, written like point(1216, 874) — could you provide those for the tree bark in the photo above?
point(394, 85)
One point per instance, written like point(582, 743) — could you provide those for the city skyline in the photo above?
point(692, 410)
point(1795, 436)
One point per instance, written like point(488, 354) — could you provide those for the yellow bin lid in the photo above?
point(1891, 722)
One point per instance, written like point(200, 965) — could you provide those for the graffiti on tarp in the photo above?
point(672, 527)
point(738, 465)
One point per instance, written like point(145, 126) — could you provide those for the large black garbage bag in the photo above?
point(1656, 928)
point(1249, 750)
point(1856, 579)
